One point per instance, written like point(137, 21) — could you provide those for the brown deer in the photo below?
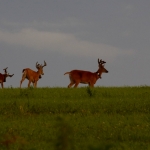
point(33, 76)
point(86, 77)
point(4, 76)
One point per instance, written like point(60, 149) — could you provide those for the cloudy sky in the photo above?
point(73, 34)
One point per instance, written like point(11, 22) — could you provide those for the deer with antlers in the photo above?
point(86, 77)
point(4, 76)
point(33, 76)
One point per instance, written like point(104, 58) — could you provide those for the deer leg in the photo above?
point(35, 84)
point(23, 78)
point(29, 83)
point(76, 84)
point(70, 85)
point(91, 85)
point(21, 81)
point(2, 85)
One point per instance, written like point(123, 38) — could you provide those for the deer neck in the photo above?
point(98, 73)
point(5, 76)
point(38, 72)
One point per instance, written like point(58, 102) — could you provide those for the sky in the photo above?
point(73, 34)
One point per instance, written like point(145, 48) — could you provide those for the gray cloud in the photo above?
point(64, 43)
point(72, 34)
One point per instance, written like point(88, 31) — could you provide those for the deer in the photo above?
point(33, 76)
point(86, 77)
point(4, 76)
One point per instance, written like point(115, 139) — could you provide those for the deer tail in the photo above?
point(23, 70)
point(66, 73)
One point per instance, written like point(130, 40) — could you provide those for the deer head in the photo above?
point(40, 67)
point(6, 74)
point(5, 70)
point(101, 68)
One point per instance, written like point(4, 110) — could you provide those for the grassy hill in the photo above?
point(100, 118)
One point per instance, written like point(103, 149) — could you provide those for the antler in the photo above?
point(44, 64)
point(5, 70)
point(101, 61)
point(11, 75)
point(37, 65)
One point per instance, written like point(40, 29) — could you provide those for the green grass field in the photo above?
point(101, 118)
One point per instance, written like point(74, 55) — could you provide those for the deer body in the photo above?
point(31, 75)
point(4, 76)
point(86, 77)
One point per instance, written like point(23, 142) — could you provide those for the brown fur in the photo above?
point(31, 75)
point(86, 77)
point(3, 77)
